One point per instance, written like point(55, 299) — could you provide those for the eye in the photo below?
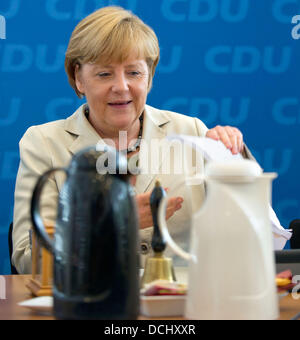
point(134, 73)
point(104, 74)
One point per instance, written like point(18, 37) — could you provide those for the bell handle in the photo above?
point(166, 235)
point(158, 243)
point(36, 219)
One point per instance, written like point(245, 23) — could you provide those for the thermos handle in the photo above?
point(36, 218)
point(165, 232)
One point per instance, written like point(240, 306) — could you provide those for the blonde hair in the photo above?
point(109, 35)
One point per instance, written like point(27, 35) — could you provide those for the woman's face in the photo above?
point(116, 93)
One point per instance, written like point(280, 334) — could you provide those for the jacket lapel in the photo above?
point(79, 126)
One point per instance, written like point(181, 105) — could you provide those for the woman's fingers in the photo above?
point(230, 136)
point(144, 209)
point(174, 204)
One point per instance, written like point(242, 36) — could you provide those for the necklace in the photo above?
point(137, 144)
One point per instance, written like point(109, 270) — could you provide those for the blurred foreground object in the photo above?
point(96, 269)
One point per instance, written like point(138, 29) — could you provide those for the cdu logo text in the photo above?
point(247, 59)
point(61, 10)
point(201, 11)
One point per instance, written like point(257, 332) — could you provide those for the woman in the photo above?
point(111, 60)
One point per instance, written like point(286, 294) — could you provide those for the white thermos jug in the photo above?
point(231, 264)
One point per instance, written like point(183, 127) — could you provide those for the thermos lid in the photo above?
point(234, 170)
point(107, 161)
point(85, 159)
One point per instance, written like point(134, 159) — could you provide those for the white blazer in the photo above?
point(53, 144)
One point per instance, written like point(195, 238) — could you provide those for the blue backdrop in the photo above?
point(233, 62)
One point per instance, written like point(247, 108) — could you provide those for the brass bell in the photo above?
point(157, 267)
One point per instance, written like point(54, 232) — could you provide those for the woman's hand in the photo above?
point(230, 136)
point(144, 209)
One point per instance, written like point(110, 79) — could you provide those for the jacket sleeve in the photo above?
point(201, 128)
point(35, 159)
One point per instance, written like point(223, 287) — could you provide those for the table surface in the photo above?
point(16, 292)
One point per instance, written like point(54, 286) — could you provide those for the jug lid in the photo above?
point(85, 159)
point(233, 170)
point(107, 161)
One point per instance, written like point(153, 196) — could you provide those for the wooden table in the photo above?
point(17, 292)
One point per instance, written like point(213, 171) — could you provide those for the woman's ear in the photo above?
point(78, 79)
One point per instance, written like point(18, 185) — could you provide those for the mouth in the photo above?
point(120, 104)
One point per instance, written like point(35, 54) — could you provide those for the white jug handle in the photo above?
point(165, 233)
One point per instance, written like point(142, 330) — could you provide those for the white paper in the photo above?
point(43, 301)
point(212, 150)
point(216, 151)
point(42, 305)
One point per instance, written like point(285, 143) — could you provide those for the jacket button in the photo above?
point(144, 248)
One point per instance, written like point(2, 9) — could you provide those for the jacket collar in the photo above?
point(78, 125)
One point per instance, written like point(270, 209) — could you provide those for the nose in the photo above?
point(120, 83)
